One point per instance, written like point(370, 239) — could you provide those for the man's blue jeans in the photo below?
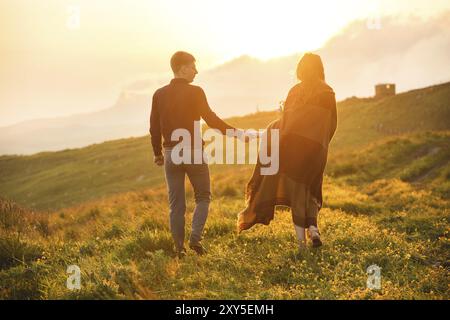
point(198, 175)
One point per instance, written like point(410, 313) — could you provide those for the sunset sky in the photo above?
point(53, 66)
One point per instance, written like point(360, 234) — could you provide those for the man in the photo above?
point(177, 106)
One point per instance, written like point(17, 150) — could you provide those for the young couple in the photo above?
point(306, 126)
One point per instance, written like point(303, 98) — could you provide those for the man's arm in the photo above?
point(214, 122)
point(211, 119)
point(155, 128)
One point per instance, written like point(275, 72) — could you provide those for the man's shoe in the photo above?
point(198, 248)
point(181, 252)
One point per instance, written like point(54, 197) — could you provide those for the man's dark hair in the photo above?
point(179, 59)
point(310, 67)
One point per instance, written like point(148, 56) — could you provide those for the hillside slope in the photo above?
point(365, 120)
point(123, 246)
point(386, 202)
point(58, 179)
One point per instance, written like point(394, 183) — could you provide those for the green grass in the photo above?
point(421, 158)
point(124, 248)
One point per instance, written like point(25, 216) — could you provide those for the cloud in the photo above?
point(411, 53)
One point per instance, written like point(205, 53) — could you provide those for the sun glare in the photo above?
point(272, 31)
point(263, 29)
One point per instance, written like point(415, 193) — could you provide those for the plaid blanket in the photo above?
point(306, 127)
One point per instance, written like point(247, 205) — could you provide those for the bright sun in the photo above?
point(264, 29)
point(268, 31)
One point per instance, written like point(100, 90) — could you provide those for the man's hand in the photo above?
point(159, 160)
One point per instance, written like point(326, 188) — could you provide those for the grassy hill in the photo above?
point(124, 249)
point(366, 120)
point(52, 180)
point(386, 202)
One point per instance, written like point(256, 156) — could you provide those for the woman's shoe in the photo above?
point(316, 242)
point(314, 235)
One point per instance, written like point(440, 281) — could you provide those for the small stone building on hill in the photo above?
point(384, 90)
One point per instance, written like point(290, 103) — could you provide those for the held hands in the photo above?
point(241, 134)
point(159, 160)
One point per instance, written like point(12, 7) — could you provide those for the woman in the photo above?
point(306, 127)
